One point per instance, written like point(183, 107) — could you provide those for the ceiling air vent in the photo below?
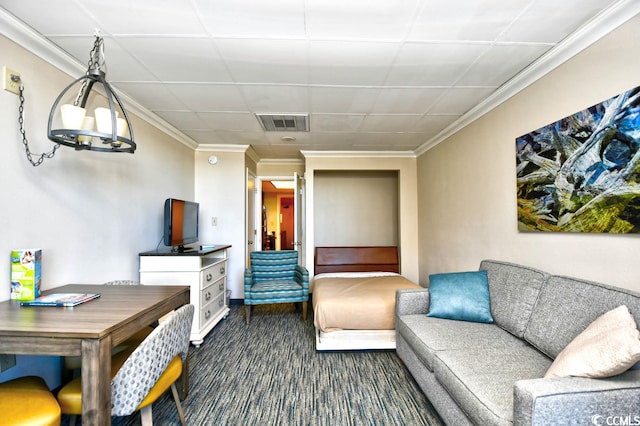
point(284, 122)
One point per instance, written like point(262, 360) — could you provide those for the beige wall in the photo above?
point(358, 208)
point(280, 168)
point(467, 184)
point(405, 165)
point(220, 190)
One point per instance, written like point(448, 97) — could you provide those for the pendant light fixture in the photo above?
point(109, 129)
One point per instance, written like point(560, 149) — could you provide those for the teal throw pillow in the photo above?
point(460, 296)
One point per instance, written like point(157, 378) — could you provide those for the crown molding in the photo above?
point(585, 36)
point(210, 147)
point(281, 161)
point(23, 35)
point(358, 154)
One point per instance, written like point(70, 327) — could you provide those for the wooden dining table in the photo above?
point(89, 330)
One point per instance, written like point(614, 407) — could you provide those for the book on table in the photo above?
point(61, 299)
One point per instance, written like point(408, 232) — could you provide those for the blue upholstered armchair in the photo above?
point(275, 277)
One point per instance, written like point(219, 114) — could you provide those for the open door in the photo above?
point(253, 237)
point(298, 207)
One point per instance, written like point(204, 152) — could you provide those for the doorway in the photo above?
point(278, 215)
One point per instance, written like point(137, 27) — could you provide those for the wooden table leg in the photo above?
point(96, 381)
point(183, 389)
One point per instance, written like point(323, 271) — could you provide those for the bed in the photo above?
point(353, 294)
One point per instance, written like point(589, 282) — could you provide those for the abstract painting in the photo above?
point(582, 173)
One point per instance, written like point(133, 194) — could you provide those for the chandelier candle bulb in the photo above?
point(72, 116)
point(122, 127)
point(103, 119)
point(89, 123)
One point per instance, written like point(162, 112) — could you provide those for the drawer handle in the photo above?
point(221, 286)
point(207, 314)
point(221, 303)
point(222, 269)
point(207, 296)
point(209, 277)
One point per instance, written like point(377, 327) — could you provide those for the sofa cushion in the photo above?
point(426, 335)
point(460, 296)
point(481, 380)
point(609, 346)
point(514, 290)
point(566, 306)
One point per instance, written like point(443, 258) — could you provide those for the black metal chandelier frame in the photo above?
point(83, 139)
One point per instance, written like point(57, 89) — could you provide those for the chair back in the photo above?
point(123, 282)
point(274, 265)
point(145, 365)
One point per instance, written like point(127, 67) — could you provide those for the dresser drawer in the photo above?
point(212, 291)
point(212, 273)
point(210, 311)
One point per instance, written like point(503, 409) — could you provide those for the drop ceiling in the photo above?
point(372, 75)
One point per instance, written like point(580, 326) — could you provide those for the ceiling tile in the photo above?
point(191, 59)
point(183, 120)
point(330, 99)
point(238, 137)
point(235, 121)
point(48, 17)
point(142, 17)
point(433, 64)
point(407, 100)
point(500, 63)
point(265, 61)
point(275, 138)
point(276, 98)
point(546, 20)
point(350, 63)
point(359, 19)
point(472, 20)
point(336, 122)
point(209, 97)
point(121, 66)
point(152, 95)
point(389, 123)
point(253, 18)
point(400, 141)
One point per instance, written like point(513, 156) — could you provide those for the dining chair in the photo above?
point(141, 375)
point(275, 277)
point(27, 401)
point(73, 363)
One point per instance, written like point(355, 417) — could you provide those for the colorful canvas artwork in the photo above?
point(582, 173)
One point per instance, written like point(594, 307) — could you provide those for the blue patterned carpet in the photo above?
point(269, 373)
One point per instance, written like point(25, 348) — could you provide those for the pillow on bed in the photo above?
point(460, 296)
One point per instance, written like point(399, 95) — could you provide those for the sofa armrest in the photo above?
point(577, 400)
point(412, 301)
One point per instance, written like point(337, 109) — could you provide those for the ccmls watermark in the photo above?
point(625, 420)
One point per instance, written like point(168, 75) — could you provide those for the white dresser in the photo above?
point(205, 272)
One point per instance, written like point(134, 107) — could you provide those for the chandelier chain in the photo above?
point(93, 63)
point(41, 157)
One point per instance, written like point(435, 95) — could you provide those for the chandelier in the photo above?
point(70, 121)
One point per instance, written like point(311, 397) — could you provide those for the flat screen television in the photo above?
point(180, 223)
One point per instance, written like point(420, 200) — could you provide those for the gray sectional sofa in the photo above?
point(492, 374)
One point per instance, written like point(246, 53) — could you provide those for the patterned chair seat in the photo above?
point(275, 277)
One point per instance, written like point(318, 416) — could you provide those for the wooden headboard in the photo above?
point(356, 259)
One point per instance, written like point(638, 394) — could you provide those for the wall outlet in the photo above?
point(7, 361)
point(214, 221)
point(11, 80)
